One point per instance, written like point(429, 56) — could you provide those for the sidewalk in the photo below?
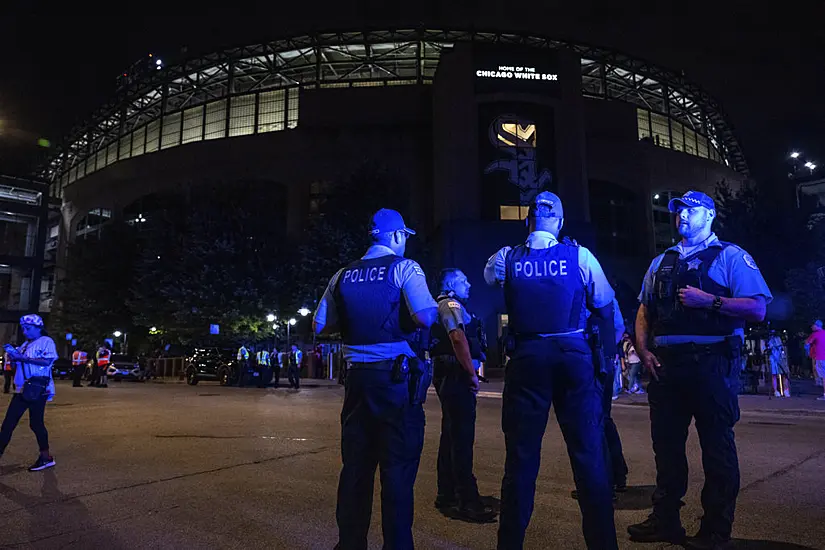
point(803, 402)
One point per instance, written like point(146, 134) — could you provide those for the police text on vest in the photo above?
point(540, 268)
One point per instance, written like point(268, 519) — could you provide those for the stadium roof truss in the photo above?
point(372, 58)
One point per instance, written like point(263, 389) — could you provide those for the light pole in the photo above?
point(290, 323)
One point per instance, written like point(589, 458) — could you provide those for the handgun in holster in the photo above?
point(400, 369)
point(421, 376)
point(597, 350)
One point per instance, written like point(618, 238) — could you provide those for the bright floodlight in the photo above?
point(292, 321)
point(275, 326)
point(303, 311)
point(158, 62)
point(795, 155)
point(117, 334)
point(271, 317)
point(810, 165)
point(153, 329)
point(656, 197)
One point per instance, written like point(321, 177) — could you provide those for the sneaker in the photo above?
point(777, 394)
point(615, 397)
point(821, 398)
point(704, 541)
point(787, 393)
point(655, 530)
point(42, 464)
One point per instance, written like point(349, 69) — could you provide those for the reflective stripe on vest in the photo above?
point(79, 358)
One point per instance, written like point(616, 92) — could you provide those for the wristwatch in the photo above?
point(717, 303)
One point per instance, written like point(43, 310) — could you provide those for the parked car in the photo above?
point(125, 367)
point(62, 368)
point(211, 364)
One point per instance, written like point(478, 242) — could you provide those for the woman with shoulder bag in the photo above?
point(34, 386)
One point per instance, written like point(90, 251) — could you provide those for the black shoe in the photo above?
point(574, 494)
point(655, 530)
point(5, 391)
point(42, 464)
point(491, 501)
point(475, 512)
point(442, 502)
point(703, 541)
point(104, 386)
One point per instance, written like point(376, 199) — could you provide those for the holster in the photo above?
point(400, 369)
point(420, 378)
point(597, 351)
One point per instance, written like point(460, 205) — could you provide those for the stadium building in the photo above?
point(472, 123)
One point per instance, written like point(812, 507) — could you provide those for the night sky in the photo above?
point(767, 69)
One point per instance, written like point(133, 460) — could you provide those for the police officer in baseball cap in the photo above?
point(695, 300)
point(375, 302)
point(548, 285)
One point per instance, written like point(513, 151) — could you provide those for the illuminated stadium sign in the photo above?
point(516, 73)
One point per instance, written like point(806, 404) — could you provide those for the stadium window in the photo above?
point(152, 136)
point(664, 228)
point(661, 134)
point(292, 115)
point(702, 146)
point(242, 115)
point(125, 150)
point(138, 141)
point(676, 129)
point(272, 111)
point(643, 122)
point(512, 212)
point(192, 124)
point(111, 153)
point(215, 120)
point(171, 131)
point(690, 141)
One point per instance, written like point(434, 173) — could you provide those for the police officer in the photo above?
point(695, 300)
point(547, 286)
point(262, 358)
point(243, 364)
point(104, 356)
point(375, 302)
point(456, 351)
point(617, 466)
point(79, 360)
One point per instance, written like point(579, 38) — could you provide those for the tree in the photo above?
point(337, 232)
point(214, 259)
point(93, 295)
point(783, 239)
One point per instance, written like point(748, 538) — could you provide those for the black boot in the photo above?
point(474, 512)
point(708, 541)
point(654, 529)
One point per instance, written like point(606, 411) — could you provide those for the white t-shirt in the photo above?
point(40, 348)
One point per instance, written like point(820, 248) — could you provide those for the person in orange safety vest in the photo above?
point(104, 356)
point(79, 360)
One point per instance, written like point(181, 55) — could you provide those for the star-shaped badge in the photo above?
point(694, 264)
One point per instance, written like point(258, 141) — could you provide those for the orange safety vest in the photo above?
point(79, 358)
point(103, 357)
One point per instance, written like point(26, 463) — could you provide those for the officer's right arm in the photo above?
point(643, 320)
point(451, 317)
point(496, 268)
point(410, 278)
point(325, 320)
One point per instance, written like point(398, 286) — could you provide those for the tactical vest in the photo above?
point(543, 290)
point(440, 343)
point(669, 316)
point(370, 306)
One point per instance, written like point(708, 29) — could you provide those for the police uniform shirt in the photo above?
point(409, 277)
point(452, 315)
point(733, 268)
point(598, 291)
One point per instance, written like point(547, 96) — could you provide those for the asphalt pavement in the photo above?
point(173, 466)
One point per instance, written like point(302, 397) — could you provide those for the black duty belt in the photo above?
point(692, 348)
point(376, 365)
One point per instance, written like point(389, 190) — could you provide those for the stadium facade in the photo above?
point(472, 123)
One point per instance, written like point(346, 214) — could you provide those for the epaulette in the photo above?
point(569, 241)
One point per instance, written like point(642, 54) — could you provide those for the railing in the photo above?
point(167, 367)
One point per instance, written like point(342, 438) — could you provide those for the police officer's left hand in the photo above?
point(695, 298)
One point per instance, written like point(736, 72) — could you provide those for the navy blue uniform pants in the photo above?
point(379, 429)
point(613, 443)
point(458, 432)
point(556, 371)
point(705, 387)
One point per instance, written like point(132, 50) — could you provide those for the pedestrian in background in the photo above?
point(815, 344)
point(34, 386)
point(294, 369)
point(634, 365)
point(8, 374)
